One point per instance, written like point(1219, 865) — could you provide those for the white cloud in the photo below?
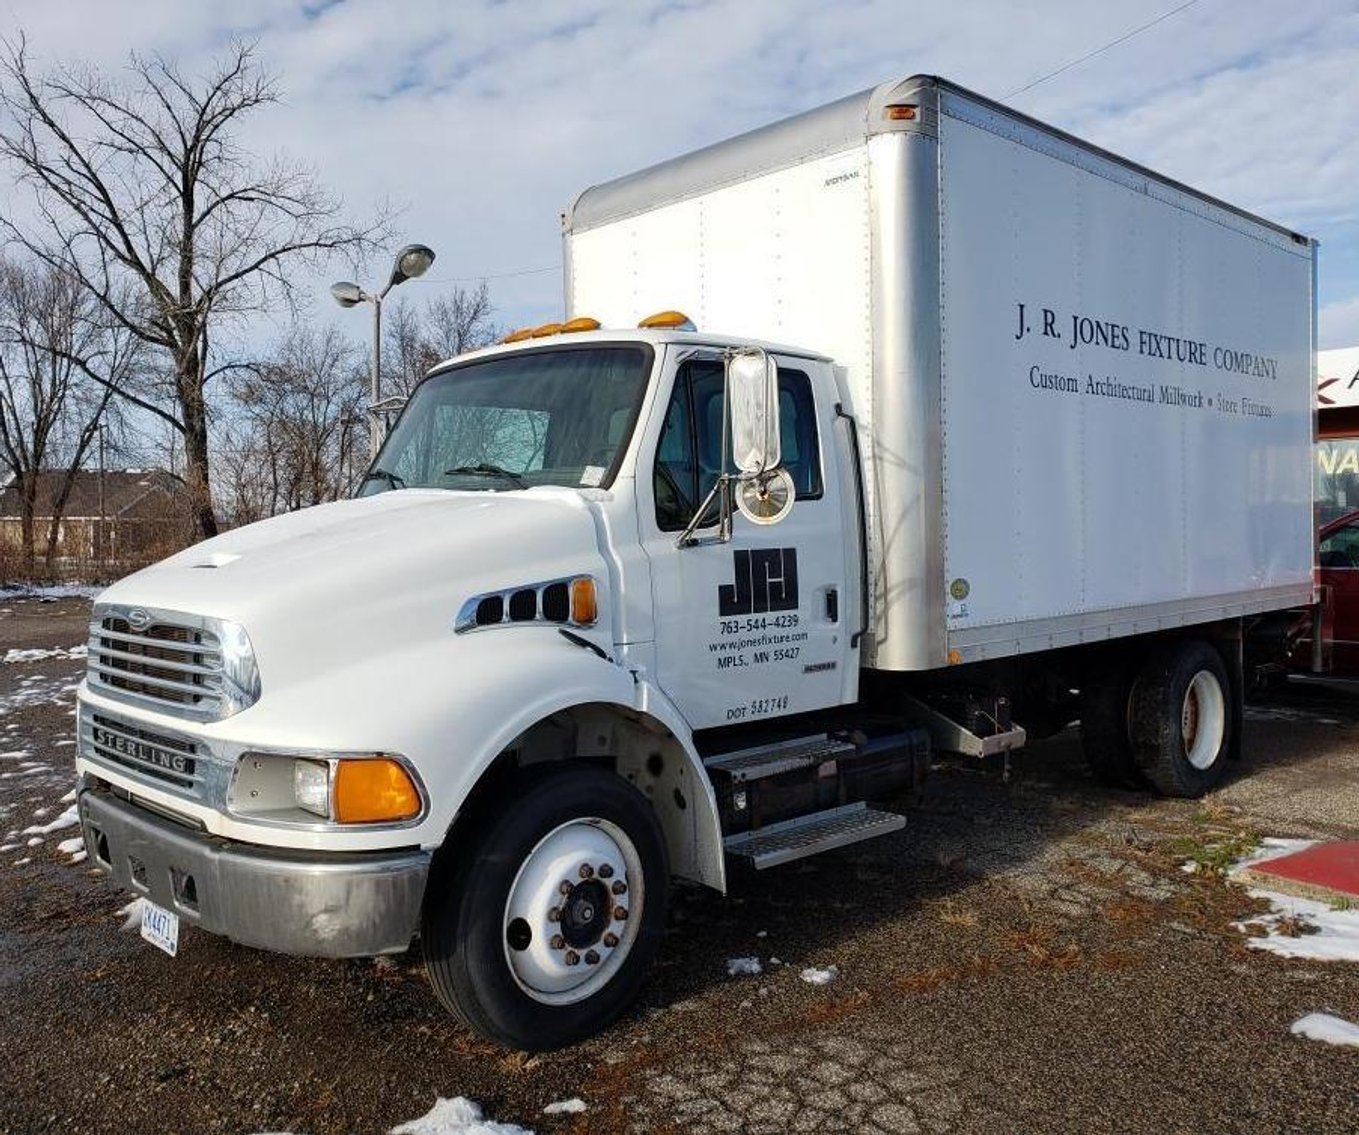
point(488, 116)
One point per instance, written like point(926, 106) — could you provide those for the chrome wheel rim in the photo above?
point(573, 911)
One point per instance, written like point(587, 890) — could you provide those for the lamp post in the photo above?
point(412, 261)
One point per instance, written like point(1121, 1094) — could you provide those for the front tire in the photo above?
point(1180, 719)
point(540, 924)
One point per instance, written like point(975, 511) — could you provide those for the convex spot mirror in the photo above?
point(753, 395)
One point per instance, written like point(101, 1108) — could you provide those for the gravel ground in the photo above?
point(1024, 956)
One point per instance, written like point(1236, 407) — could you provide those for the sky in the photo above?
point(482, 119)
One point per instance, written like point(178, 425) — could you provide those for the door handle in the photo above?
point(832, 604)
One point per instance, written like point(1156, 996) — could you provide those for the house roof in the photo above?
point(127, 492)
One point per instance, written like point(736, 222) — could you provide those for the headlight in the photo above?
point(240, 674)
point(311, 787)
point(372, 788)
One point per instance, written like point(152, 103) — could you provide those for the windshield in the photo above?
point(553, 417)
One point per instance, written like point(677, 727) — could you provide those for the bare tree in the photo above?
point(61, 361)
point(415, 338)
point(300, 417)
point(144, 182)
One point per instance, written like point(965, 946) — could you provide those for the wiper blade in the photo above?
point(486, 469)
point(384, 475)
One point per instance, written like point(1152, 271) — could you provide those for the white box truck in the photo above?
point(654, 592)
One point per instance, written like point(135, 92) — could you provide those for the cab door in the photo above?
point(757, 626)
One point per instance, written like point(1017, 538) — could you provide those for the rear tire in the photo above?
point(540, 923)
point(1104, 729)
point(1181, 719)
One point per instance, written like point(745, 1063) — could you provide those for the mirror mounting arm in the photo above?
point(721, 490)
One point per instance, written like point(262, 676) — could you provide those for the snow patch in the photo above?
point(41, 655)
point(574, 1106)
point(75, 847)
point(25, 859)
point(744, 967)
point(814, 976)
point(68, 819)
point(1328, 935)
point(1271, 847)
point(1324, 1027)
point(51, 591)
point(132, 915)
point(458, 1116)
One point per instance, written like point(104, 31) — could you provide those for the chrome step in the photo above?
point(810, 835)
point(770, 760)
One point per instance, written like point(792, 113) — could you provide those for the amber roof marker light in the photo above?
point(668, 320)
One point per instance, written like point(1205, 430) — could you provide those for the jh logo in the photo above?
point(766, 580)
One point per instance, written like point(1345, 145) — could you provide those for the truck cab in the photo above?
point(312, 734)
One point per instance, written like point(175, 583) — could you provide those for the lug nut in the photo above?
point(620, 913)
point(620, 887)
point(586, 871)
point(555, 914)
point(558, 942)
point(605, 871)
point(565, 887)
point(611, 939)
point(591, 958)
point(572, 958)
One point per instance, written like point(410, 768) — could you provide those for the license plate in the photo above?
point(160, 927)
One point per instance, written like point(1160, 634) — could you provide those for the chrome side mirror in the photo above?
point(753, 398)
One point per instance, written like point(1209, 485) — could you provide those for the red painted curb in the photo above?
point(1334, 866)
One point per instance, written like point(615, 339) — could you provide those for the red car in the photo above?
point(1338, 572)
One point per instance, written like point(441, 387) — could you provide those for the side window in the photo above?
point(689, 458)
point(797, 433)
point(1341, 548)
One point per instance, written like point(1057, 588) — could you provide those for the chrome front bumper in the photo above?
point(331, 905)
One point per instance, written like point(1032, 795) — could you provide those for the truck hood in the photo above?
point(371, 576)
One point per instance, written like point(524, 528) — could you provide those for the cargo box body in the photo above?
point(1084, 392)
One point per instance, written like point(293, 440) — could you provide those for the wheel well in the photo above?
point(637, 747)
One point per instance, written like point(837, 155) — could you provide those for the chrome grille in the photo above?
point(166, 760)
point(175, 666)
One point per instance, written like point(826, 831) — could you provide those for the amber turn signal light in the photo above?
point(373, 790)
point(584, 603)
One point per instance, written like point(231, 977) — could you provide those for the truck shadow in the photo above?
point(975, 848)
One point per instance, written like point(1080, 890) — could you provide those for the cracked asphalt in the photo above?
point(1024, 956)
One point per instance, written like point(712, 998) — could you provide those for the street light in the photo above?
point(412, 261)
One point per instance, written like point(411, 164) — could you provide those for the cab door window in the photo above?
point(689, 458)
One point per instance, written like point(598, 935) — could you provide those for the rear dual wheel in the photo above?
point(1166, 724)
point(541, 923)
point(1180, 719)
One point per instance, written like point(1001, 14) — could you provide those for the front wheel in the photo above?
point(1180, 719)
point(539, 928)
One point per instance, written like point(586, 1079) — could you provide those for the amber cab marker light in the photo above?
point(902, 112)
point(545, 330)
point(580, 323)
point(518, 336)
point(374, 790)
point(584, 604)
point(668, 319)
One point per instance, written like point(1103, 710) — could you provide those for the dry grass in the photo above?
point(952, 915)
